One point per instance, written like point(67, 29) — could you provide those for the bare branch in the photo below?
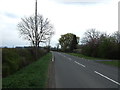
point(27, 29)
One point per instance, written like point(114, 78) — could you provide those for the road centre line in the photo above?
point(107, 77)
point(52, 58)
point(79, 64)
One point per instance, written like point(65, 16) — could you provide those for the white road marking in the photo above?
point(79, 64)
point(52, 57)
point(107, 77)
point(52, 60)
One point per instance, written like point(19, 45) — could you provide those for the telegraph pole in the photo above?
point(36, 26)
point(36, 30)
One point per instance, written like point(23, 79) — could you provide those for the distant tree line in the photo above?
point(98, 44)
point(94, 43)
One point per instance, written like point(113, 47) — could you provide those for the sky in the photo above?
point(67, 16)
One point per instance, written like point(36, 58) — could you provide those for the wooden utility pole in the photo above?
point(36, 26)
point(36, 30)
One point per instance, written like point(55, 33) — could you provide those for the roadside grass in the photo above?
point(100, 60)
point(0, 82)
point(14, 59)
point(32, 76)
point(113, 63)
point(85, 57)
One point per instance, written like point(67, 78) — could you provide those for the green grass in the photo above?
point(32, 76)
point(0, 82)
point(85, 57)
point(115, 63)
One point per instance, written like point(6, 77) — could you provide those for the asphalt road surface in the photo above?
point(74, 72)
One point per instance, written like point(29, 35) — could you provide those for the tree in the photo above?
point(27, 29)
point(74, 43)
point(68, 42)
point(108, 47)
point(116, 35)
point(97, 44)
point(91, 36)
point(91, 40)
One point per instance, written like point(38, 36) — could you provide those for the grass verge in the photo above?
point(115, 63)
point(112, 63)
point(32, 76)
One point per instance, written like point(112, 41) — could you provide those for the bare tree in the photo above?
point(44, 29)
point(91, 36)
point(116, 35)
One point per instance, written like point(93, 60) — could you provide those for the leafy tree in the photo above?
point(107, 47)
point(68, 41)
point(74, 43)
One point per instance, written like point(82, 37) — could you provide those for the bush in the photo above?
point(14, 59)
point(11, 60)
point(32, 76)
point(77, 50)
point(103, 46)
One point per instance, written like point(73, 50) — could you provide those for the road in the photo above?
point(74, 72)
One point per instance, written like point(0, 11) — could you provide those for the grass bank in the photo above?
point(115, 63)
point(14, 59)
point(32, 76)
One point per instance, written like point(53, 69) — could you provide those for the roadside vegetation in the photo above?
point(101, 45)
point(99, 60)
point(83, 56)
point(13, 59)
point(20, 66)
point(95, 45)
point(31, 76)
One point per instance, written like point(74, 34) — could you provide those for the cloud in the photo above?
point(82, 1)
point(10, 15)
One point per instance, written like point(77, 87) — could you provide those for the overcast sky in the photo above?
point(67, 16)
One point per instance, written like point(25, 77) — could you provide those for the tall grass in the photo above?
point(32, 76)
point(13, 59)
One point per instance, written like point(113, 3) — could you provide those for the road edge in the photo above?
point(51, 73)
